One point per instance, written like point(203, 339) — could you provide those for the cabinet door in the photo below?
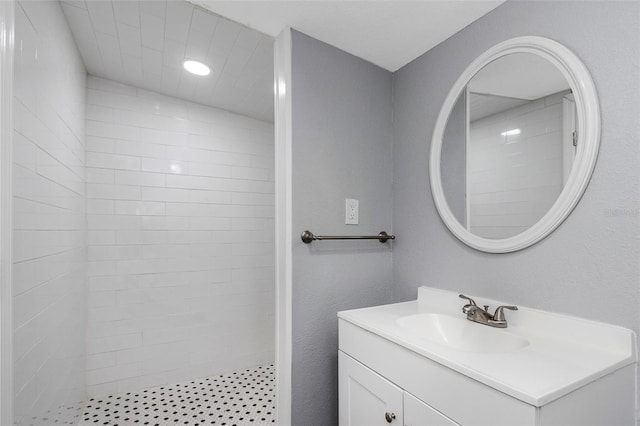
point(366, 398)
point(417, 413)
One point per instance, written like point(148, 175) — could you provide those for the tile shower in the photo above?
point(143, 233)
point(180, 239)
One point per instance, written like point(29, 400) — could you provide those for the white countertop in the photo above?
point(564, 352)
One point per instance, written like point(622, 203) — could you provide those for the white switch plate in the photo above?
point(351, 211)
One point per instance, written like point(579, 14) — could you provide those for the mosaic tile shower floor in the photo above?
point(240, 398)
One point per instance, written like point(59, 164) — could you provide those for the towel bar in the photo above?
point(307, 237)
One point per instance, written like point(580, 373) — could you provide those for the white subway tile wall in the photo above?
point(515, 179)
point(49, 226)
point(180, 213)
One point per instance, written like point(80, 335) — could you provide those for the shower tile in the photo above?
point(164, 175)
point(112, 161)
point(119, 372)
point(241, 398)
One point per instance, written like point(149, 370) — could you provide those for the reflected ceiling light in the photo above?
point(511, 132)
point(197, 68)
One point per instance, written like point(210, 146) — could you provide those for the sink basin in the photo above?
point(461, 334)
point(539, 358)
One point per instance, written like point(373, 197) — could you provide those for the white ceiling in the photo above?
point(519, 75)
point(144, 44)
point(481, 106)
point(388, 33)
point(511, 81)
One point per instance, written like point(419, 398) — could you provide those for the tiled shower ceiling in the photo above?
point(144, 44)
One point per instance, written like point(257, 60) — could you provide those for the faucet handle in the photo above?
point(499, 314)
point(471, 301)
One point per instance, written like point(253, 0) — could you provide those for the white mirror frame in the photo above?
point(588, 113)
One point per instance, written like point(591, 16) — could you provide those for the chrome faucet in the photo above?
point(482, 316)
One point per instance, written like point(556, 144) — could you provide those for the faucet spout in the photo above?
point(477, 314)
point(482, 316)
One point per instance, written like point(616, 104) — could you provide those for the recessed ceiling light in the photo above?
point(197, 68)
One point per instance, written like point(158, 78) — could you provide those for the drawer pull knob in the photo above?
point(390, 417)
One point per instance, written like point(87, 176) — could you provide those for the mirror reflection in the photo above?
point(508, 146)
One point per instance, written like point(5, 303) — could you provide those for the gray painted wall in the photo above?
point(341, 149)
point(590, 266)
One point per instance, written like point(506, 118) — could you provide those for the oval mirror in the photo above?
point(514, 144)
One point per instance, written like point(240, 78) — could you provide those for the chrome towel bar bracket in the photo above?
point(307, 237)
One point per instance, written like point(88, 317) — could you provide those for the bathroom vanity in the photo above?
point(422, 363)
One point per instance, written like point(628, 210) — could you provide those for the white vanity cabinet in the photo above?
point(417, 413)
point(570, 372)
point(368, 399)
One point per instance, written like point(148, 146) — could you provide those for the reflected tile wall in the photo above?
point(515, 179)
point(180, 204)
point(49, 235)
